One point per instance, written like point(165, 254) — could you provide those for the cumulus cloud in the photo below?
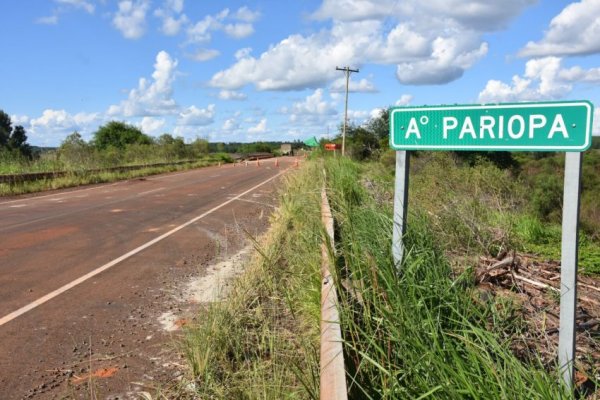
point(194, 116)
point(404, 100)
point(152, 126)
point(239, 30)
point(261, 127)
point(172, 19)
point(430, 42)
point(130, 18)
point(231, 95)
point(151, 98)
point(363, 85)
point(544, 79)
point(53, 125)
point(236, 25)
point(574, 31)
point(230, 125)
point(202, 55)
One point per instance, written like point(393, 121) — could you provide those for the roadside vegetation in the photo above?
point(429, 328)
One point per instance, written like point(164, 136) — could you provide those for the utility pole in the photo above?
point(347, 71)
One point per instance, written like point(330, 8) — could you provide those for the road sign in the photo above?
point(549, 126)
point(331, 146)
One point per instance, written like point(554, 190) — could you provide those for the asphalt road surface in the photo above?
point(87, 274)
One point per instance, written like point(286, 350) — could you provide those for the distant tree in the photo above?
point(199, 146)
point(119, 135)
point(5, 128)
point(75, 151)
point(13, 139)
point(165, 139)
point(362, 142)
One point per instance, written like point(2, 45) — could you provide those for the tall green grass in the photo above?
point(419, 331)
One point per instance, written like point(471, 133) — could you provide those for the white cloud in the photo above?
point(449, 59)
point(201, 31)
point(246, 15)
point(230, 125)
point(50, 20)
point(194, 116)
point(596, 128)
point(313, 104)
point(53, 125)
point(239, 30)
point(22, 120)
point(130, 19)
point(358, 115)
point(204, 54)
point(155, 98)
point(404, 100)
point(544, 79)
point(172, 22)
point(574, 31)
point(363, 85)
point(172, 26)
point(175, 5)
point(84, 5)
point(231, 95)
point(261, 127)
point(152, 126)
point(243, 53)
point(431, 42)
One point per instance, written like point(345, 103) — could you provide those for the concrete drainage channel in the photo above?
point(333, 375)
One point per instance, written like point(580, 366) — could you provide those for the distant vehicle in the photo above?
point(286, 149)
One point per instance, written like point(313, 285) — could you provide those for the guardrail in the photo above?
point(36, 176)
point(333, 373)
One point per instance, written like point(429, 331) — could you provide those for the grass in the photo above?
point(419, 330)
point(262, 343)
point(79, 178)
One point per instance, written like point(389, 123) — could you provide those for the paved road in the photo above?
point(85, 273)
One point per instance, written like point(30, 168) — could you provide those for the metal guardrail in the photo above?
point(333, 374)
point(36, 176)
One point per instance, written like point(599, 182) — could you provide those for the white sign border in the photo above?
point(563, 148)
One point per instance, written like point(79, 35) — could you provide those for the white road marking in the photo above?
point(18, 205)
point(61, 290)
point(150, 191)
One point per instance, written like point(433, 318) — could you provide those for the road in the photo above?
point(88, 273)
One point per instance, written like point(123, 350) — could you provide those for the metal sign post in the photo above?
point(568, 267)
point(400, 205)
point(548, 126)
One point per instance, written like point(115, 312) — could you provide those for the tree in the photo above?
point(5, 128)
point(75, 151)
point(13, 139)
point(119, 135)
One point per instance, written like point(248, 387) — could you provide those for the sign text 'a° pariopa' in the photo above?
point(550, 126)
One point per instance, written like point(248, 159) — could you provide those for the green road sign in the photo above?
point(548, 126)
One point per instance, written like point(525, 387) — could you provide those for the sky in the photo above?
point(266, 69)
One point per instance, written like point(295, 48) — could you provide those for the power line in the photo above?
point(347, 72)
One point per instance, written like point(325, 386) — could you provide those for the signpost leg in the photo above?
point(400, 205)
point(568, 269)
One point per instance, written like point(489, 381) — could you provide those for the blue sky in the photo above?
point(265, 70)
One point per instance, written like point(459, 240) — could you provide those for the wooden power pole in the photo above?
point(347, 72)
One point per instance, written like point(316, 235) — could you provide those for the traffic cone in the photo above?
point(296, 163)
point(246, 163)
point(277, 162)
point(219, 164)
point(257, 162)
